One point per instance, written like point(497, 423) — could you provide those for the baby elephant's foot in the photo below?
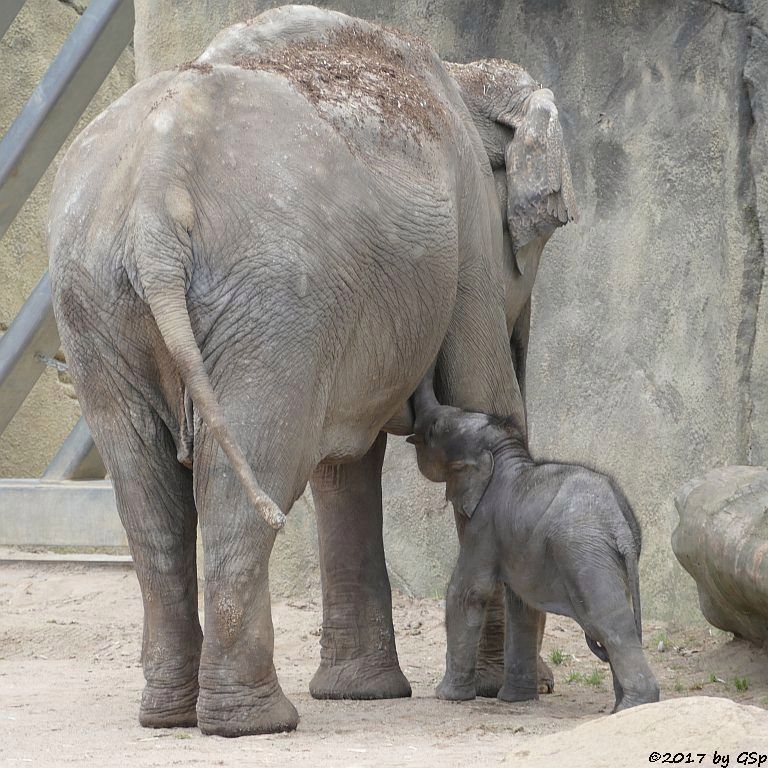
point(649, 694)
point(514, 692)
point(450, 691)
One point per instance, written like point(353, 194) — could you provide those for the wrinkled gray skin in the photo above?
point(560, 538)
point(249, 282)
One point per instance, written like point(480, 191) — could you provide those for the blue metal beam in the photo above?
point(24, 348)
point(60, 99)
point(77, 458)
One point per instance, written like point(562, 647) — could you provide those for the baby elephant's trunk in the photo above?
point(424, 399)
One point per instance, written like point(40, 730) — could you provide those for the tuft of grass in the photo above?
point(661, 641)
point(595, 677)
point(575, 677)
point(697, 686)
point(557, 657)
point(679, 687)
point(741, 683)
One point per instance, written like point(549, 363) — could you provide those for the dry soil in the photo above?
point(70, 683)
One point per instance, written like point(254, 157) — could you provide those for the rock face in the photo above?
point(722, 541)
point(699, 725)
point(649, 351)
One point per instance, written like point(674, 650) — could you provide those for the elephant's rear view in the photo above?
point(255, 257)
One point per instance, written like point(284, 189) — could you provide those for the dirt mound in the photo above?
point(358, 67)
point(700, 725)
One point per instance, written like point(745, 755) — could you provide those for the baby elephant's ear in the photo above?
point(467, 481)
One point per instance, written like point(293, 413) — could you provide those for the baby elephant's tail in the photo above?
point(633, 576)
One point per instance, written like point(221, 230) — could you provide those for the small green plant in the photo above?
point(557, 657)
point(713, 678)
point(661, 642)
point(575, 677)
point(679, 687)
point(595, 677)
point(741, 683)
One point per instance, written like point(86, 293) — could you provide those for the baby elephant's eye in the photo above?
point(456, 466)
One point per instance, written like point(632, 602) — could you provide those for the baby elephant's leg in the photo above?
point(468, 593)
point(602, 608)
point(520, 651)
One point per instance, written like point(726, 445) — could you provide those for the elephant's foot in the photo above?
point(646, 693)
point(546, 677)
point(510, 692)
point(169, 706)
point(452, 691)
point(360, 678)
point(489, 678)
point(245, 711)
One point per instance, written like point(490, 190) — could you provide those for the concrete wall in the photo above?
point(26, 50)
point(649, 353)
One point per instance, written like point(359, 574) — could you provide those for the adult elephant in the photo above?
point(255, 258)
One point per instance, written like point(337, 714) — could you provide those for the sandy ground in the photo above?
point(70, 683)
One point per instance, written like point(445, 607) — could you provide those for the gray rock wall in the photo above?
point(649, 353)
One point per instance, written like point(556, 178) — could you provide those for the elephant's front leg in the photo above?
point(490, 656)
point(358, 658)
point(521, 651)
point(466, 601)
point(489, 672)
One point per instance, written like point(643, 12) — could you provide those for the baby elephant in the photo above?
point(560, 537)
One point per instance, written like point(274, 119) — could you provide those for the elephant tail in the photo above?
point(167, 299)
point(633, 576)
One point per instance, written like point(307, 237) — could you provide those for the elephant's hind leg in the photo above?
point(601, 606)
point(239, 690)
point(358, 658)
point(154, 499)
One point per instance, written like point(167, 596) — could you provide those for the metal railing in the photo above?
point(54, 510)
point(26, 151)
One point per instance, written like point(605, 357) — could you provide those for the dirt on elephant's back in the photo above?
point(362, 68)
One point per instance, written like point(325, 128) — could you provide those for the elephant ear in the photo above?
point(540, 194)
point(467, 482)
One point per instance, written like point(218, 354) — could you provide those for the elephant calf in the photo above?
point(560, 537)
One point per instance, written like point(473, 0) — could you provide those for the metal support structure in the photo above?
point(26, 151)
point(8, 11)
point(31, 339)
point(60, 99)
point(77, 458)
point(54, 511)
point(40, 513)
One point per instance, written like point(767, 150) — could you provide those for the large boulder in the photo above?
point(722, 541)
